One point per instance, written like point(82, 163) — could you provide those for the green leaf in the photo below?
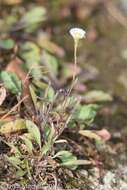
point(49, 139)
point(30, 53)
point(50, 46)
point(15, 161)
point(31, 20)
point(26, 162)
point(11, 82)
point(47, 132)
point(20, 173)
point(34, 131)
point(97, 96)
point(28, 143)
point(14, 149)
point(33, 95)
point(67, 158)
point(34, 15)
point(50, 93)
point(7, 44)
point(86, 113)
point(46, 147)
point(13, 126)
point(51, 63)
point(40, 84)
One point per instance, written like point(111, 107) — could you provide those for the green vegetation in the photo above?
point(53, 119)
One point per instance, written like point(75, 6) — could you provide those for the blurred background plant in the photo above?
point(44, 128)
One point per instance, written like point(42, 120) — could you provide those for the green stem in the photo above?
point(75, 59)
point(74, 80)
point(74, 73)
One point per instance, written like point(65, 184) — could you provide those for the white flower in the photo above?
point(77, 33)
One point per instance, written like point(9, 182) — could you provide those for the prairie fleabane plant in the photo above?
point(39, 148)
point(77, 34)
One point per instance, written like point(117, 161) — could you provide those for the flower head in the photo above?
point(77, 33)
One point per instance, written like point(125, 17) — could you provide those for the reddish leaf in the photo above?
point(80, 87)
point(15, 66)
point(104, 134)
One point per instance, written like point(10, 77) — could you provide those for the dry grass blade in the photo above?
point(90, 134)
point(77, 162)
point(14, 108)
point(2, 95)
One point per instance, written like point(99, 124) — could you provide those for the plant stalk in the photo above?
point(75, 59)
